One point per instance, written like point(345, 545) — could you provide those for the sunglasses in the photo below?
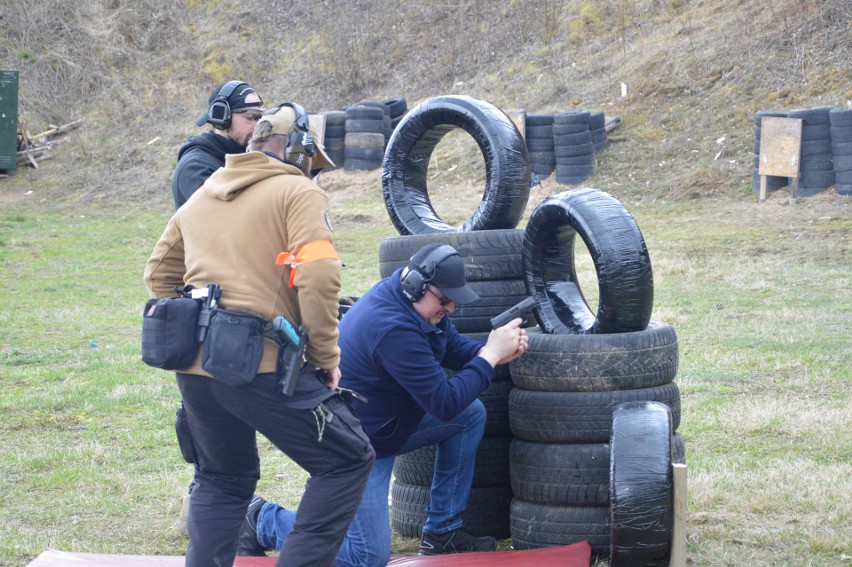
point(442, 300)
point(253, 116)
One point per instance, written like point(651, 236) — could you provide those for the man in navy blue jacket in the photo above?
point(395, 342)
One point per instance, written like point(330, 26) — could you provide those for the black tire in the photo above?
point(841, 134)
point(495, 297)
point(567, 474)
point(334, 118)
point(840, 117)
point(539, 132)
point(621, 260)
point(578, 417)
point(496, 401)
point(396, 106)
point(487, 255)
point(641, 485)
point(812, 116)
point(367, 140)
point(587, 149)
point(492, 464)
point(536, 525)
point(842, 148)
point(572, 117)
point(576, 170)
point(584, 137)
point(334, 132)
point(360, 164)
point(487, 511)
point(372, 103)
point(539, 145)
point(404, 179)
point(816, 132)
point(567, 161)
point(566, 129)
point(363, 112)
point(364, 125)
point(373, 155)
point(598, 363)
point(539, 120)
point(560, 473)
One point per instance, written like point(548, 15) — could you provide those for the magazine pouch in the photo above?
point(233, 347)
point(168, 332)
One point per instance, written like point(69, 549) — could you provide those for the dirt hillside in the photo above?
point(685, 77)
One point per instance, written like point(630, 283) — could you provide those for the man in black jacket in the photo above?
point(233, 110)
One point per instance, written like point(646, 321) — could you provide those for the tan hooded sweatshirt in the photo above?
point(232, 230)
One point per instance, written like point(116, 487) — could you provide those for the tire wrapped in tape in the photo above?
point(406, 164)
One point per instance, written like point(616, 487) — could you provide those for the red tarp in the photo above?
point(575, 555)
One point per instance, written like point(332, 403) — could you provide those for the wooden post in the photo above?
point(678, 556)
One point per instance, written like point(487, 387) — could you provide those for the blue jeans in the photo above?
point(368, 540)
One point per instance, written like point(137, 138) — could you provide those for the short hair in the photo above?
point(262, 137)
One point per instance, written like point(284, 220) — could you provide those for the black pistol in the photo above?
point(519, 310)
point(291, 349)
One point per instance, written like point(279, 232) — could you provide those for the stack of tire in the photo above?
point(539, 139)
point(841, 149)
point(491, 249)
point(580, 367)
point(773, 182)
point(597, 127)
point(367, 130)
point(572, 146)
point(816, 172)
point(335, 136)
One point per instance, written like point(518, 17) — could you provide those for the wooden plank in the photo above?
point(678, 556)
point(780, 146)
point(56, 130)
point(317, 122)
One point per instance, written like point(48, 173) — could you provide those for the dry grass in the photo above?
point(759, 294)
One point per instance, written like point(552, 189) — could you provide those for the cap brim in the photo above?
point(460, 295)
point(203, 120)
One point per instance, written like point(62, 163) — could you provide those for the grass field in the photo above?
point(760, 296)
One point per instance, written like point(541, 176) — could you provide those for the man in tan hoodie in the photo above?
point(259, 227)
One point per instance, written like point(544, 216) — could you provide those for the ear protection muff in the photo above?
point(415, 278)
point(300, 143)
point(219, 113)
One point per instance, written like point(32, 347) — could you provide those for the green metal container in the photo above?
point(8, 119)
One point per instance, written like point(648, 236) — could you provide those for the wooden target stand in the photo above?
point(678, 547)
point(780, 149)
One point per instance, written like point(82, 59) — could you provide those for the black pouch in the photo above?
point(168, 332)
point(187, 446)
point(233, 347)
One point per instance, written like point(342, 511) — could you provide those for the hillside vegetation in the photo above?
point(138, 73)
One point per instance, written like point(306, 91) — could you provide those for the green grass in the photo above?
point(760, 297)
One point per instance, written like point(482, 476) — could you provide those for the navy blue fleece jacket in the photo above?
point(395, 358)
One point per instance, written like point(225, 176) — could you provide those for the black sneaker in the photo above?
point(248, 544)
point(456, 541)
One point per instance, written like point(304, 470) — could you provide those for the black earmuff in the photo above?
point(300, 143)
point(219, 114)
point(415, 278)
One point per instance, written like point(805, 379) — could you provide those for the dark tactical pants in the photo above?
point(222, 422)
